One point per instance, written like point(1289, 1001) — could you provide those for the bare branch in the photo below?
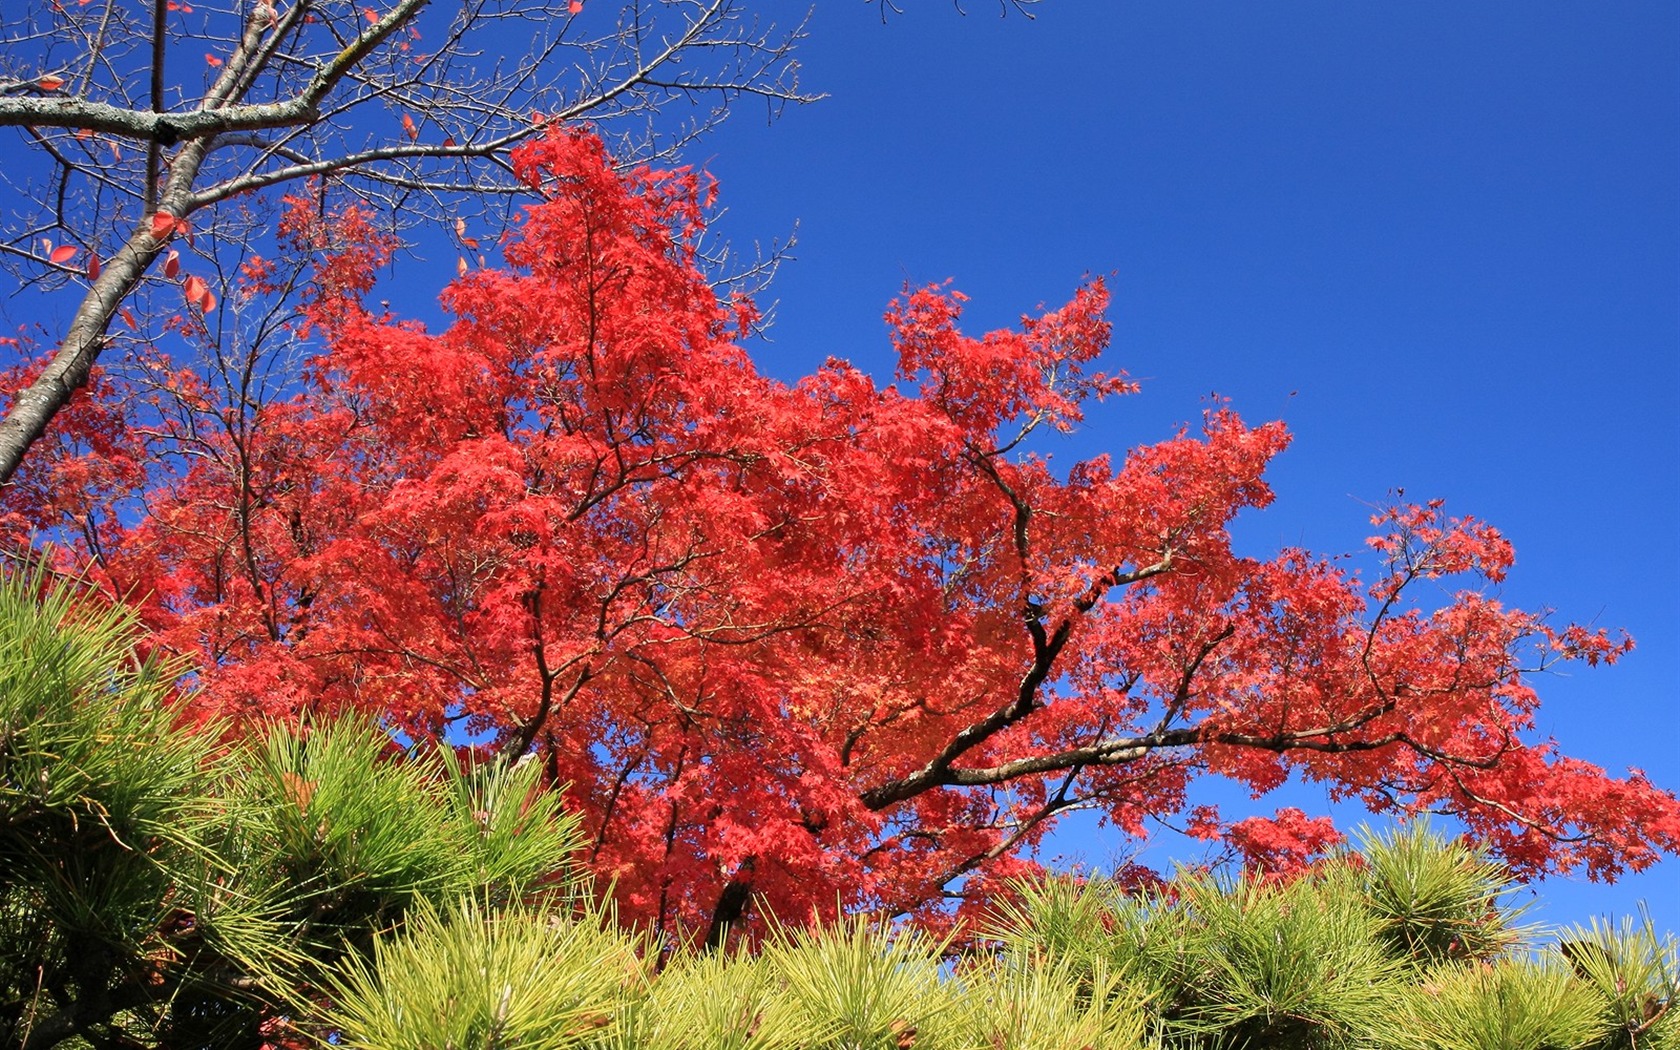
point(412, 108)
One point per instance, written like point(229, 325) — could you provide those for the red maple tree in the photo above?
point(826, 644)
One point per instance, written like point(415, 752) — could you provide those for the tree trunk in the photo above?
point(34, 407)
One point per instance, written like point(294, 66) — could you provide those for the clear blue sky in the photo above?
point(1442, 240)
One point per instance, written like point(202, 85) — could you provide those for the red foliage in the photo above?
point(833, 641)
point(1283, 844)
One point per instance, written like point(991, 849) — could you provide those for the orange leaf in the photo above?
point(128, 318)
point(163, 224)
point(50, 82)
point(408, 126)
point(62, 254)
point(195, 288)
point(576, 6)
point(460, 227)
point(207, 302)
point(298, 791)
point(461, 265)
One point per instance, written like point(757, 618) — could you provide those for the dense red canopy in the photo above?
point(799, 645)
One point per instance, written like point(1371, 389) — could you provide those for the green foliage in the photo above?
point(1294, 964)
point(1437, 899)
point(98, 793)
point(716, 1001)
point(316, 884)
point(1507, 1005)
point(478, 978)
point(853, 988)
point(1026, 1003)
point(337, 834)
point(506, 830)
point(1635, 974)
point(159, 884)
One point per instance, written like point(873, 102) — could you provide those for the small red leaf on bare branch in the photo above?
point(194, 288)
point(164, 224)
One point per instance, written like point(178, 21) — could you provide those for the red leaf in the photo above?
point(50, 82)
point(197, 290)
point(172, 265)
point(62, 254)
point(408, 127)
point(93, 266)
point(212, 61)
point(576, 6)
point(163, 224)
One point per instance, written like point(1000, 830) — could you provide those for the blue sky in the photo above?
point(1441, 240)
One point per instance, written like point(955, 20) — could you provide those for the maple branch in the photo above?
point(1057, 802)
point(1527, 822)
point(526, 734)
point(939, 771)
point(731, 903)
point(1130, 749)
point(1182, 692)
point(407, 653)
point(611, 805)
